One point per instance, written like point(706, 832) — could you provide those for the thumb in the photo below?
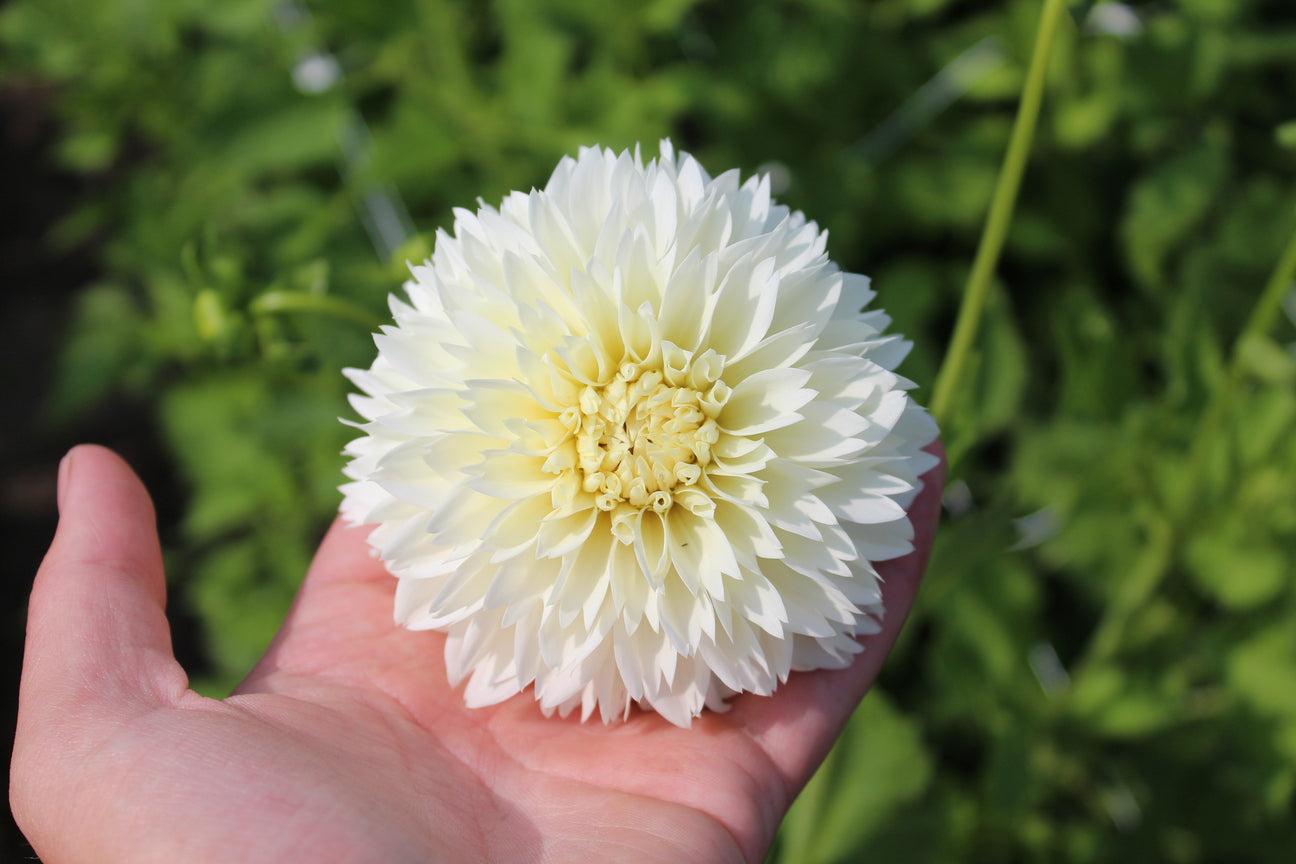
point(98, 642)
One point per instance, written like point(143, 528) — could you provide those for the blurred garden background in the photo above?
point(206, 204)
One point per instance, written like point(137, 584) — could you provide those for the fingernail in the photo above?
point(64, 478)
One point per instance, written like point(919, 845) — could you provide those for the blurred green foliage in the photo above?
point(1102, 666)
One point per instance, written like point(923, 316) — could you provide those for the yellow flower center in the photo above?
point(643, 440)
point(640, 438)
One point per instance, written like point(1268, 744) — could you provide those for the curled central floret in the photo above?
point(644, 439)
point(639, 438)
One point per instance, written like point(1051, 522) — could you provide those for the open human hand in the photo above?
point(346, 744)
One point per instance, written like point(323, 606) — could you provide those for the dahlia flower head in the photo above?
point(632, 440)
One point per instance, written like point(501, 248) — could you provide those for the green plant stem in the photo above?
point(319, 304)
point(999, 217)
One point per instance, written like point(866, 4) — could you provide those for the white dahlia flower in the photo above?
point(632, 440)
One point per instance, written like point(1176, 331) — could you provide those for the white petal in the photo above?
point(765, 401)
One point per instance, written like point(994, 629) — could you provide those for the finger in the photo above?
point(97, 633)
point(799, 724)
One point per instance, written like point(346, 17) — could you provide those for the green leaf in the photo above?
point(1285, 135)
point(879, 764)
point(1237, 564)
point(1263, 358)
point(102, 347)
point(1262, 670)
point(1167, 204)
point(88, 151)
point(1111, 702)
point(293, 137)
point(241, 608)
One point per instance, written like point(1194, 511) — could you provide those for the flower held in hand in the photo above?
point(632, 440)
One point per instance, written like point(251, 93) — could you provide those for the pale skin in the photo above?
point(346, 744)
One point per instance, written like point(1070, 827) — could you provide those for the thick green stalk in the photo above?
point(999, 218)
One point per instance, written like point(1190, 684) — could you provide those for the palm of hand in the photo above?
point(346, 744)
